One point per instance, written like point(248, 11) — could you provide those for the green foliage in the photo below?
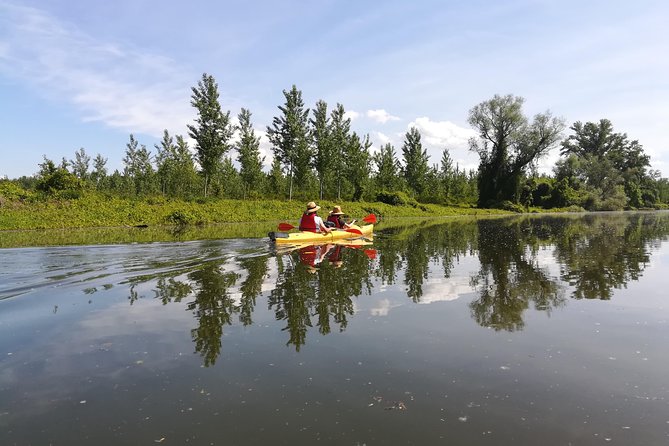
point(250, 161)
point(396, 199)
point(508, 144)
point(212, 130)
point(11, 191)
point(290, 138)
point(415, 167)
point(180, 218)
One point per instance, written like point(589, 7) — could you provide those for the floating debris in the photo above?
point(397, 405)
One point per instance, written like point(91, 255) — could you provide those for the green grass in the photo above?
point(94, 210)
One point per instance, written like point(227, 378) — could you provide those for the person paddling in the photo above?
point(312, 222)
point(336, 219)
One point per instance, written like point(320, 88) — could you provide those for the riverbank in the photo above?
point(97, 211)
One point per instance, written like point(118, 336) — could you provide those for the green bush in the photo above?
point(180, 218)
point(396, 199)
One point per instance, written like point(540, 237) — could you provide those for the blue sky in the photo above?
point(77, 73)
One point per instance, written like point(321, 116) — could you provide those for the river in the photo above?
point(520, 330)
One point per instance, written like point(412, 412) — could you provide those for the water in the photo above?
point(506, 331)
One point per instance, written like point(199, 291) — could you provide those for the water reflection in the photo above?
point(518, 264)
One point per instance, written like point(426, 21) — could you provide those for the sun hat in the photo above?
point(336, 211)
point(311, 207)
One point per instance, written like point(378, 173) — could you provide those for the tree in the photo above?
point(212, 130)
point(446, 174)
point(387, 168)
point(248, 150)
point(340, 128)
point(80, 164)
point(358, 164)
point(603, 160)
point(289, 136)
point(276, 182)
point(55, 180)
point(415, 161)
point(99, 170)
point(138, 169)
point(165, 162)
point(508, 144)
point(320, 134)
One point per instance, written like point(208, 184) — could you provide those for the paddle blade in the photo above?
point(371, 253)
point(371, 218)
point(354, 231)
point(285, 227)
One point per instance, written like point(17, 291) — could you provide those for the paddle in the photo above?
point(371, 218)
point(288, 227)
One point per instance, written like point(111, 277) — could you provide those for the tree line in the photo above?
point(317, 154)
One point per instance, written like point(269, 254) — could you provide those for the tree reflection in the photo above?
point(510, 278)
point(603, 253)
point(524, 262)
point(213, 308)
point(305, 288)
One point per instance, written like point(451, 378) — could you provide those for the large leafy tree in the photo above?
point(212, 130)
point(248, 154)
point(508, 145)
point(290, 139)
point(415, 161)
point(603, 161)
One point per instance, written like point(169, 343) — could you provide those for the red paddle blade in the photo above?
point(371, 218)
point(371, 253)
point(285, 227)
point(354, 231)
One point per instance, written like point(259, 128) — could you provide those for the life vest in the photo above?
point(308, 255)
point(337, 222)
point(308, 223)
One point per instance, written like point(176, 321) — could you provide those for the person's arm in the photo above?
point(323, 227)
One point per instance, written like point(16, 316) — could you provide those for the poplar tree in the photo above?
point(248, 154)
point(358, 164)
point(340, 128)
point(99, 173)
point(387, 168)
point(80, 164)
point(212, 130)
point(415, 161)
point(289, 136)
point(320, 133)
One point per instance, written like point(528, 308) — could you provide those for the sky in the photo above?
point(87, 74)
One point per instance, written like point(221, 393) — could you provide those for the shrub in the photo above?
point(180, 218)
point(396, 199)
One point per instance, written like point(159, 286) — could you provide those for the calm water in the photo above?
point(515, 331)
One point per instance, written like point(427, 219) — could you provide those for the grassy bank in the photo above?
point(97, 211)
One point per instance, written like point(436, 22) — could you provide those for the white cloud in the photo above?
point(119, 86)
point(381, 116)
point(439, 135)
point(352, 115)
point(443, 133)
point(381, 138)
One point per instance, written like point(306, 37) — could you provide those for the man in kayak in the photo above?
point(336, 219)
point(312, 222)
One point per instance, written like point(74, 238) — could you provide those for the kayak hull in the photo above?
point(317, 237)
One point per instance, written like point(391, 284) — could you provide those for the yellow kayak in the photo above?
point(335, 234)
